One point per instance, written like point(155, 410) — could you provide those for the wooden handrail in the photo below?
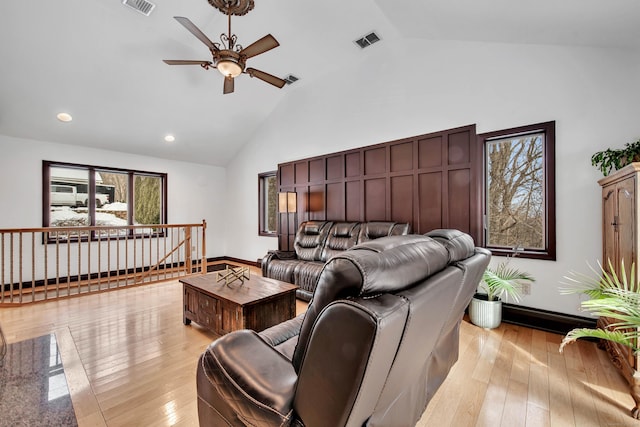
point(39, 264)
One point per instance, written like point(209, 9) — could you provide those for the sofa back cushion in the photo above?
point(376, 229)
point(459, 245)
point(385, 265)
point(310, 239)
point(342, 236)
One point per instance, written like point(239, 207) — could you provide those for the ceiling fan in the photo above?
point(230, 58)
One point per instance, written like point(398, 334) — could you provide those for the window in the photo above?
point(267, 204)
point(81, 195)
point(519, 191)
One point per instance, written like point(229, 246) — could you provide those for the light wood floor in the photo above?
point(130, 361)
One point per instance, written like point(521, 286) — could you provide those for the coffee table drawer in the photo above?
point(207, 312)
point(207, 303)
point(207, 319)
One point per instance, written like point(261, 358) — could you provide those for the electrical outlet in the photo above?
point(193, 248)
point(526, 288)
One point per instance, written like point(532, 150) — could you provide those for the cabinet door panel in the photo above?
point(626, 220)
point(609, 209)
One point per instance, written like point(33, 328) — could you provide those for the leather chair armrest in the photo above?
point(282, 332)
point(250, 377)
point(275, 254)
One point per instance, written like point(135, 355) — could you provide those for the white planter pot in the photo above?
point(484, 313)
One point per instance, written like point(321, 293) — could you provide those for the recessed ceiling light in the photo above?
point(169, 138)
point(64, 117)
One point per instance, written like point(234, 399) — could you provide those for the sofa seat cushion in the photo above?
point(305, 275)
point(280, 269)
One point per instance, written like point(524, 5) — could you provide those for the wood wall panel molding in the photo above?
point(317, 170)
point(375, 160)
point(286, 175)
point(335, 167)
point(402, 157)
point(459, 148)
point(430, 152)
point(302, 172)
point(335, 201)
point(375, 197)
point(352, 164)
point(354, 200)
point(430, 181)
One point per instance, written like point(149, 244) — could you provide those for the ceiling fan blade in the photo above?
point(266, 43)
point(186, 62)
point(196, 32)
point(228, 85)
point(269, 78)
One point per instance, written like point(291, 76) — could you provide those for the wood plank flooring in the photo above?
point(129, 361)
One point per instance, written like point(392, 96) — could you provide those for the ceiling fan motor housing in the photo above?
point(233, 7)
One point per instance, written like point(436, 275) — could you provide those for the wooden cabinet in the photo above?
point(620, 217)
point(620, 242)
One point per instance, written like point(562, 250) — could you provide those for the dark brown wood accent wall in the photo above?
point(429, 181)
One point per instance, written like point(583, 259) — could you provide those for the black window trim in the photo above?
point(549, 252)
point(132, 173)
point(261, 204)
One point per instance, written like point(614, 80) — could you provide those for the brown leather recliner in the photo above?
point(315, 243)
point(378, 338)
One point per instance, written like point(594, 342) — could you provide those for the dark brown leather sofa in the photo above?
point(377, 340)
point(315, 243)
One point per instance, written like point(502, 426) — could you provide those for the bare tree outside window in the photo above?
point(515, 196)
point(519, 191)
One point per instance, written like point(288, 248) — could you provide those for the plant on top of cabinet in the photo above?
point(614, 159)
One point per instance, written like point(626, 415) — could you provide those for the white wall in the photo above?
point(423, 86)
point(195, 191)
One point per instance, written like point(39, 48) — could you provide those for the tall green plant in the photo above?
point(504, 281)
point(613, 296)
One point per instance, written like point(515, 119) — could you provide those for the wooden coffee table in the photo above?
point(256, 304)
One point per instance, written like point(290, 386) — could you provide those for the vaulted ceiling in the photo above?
point(102, 61)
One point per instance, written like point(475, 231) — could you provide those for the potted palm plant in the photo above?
point(610, 296)
point(503, 282)
point(617, 301)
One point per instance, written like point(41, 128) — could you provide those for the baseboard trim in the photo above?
point(232, 259)
point(544, 320)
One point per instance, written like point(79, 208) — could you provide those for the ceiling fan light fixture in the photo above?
point(229, 67)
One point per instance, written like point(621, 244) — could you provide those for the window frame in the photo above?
point(91, 170)
point(549, 250)
point(262, 204)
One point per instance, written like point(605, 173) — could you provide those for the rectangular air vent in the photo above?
point(367, 40)
point(291, 79)
point(143, 6)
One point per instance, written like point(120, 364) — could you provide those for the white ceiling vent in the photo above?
point(143, 6)
point(291, 79)
point(367, 40)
